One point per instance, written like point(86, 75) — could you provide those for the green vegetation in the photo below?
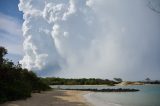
point(118, 79)
point(83, 81)
point(15, 82)
point(149, 81)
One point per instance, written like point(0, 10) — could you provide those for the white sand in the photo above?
point(53, 98)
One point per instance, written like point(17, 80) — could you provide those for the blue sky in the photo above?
point(10, 8)
point(10, 29)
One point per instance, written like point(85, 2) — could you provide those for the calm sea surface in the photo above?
point(149, 95)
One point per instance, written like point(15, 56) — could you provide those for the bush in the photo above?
point(15, 82)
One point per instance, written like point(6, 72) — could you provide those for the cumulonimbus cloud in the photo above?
point(90, 38)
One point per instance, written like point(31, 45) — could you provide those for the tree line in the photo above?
point(16, 82)
point(82, 81)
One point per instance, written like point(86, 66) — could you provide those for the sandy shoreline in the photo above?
point(53, 98)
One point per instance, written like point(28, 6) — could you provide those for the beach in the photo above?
point(147, 96)
point(53, 98)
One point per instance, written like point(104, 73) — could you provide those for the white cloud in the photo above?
point(90, 38)
point(10, 25)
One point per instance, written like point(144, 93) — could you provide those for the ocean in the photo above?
point(149, 95)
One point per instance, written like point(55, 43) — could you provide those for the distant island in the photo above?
point(125, 83)
point(95, 81)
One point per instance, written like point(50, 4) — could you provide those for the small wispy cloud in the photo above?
point(11, 34)
point(10, 25)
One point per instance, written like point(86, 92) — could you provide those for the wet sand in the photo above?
point(53, 98)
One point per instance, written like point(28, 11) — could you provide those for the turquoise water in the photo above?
point(149, 95)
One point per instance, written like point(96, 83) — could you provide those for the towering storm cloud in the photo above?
point(92, 38)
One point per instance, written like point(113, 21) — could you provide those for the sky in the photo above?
point(11, 20)
point(83, 38)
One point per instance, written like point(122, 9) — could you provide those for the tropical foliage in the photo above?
point(16, 82)
point(82, 81)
